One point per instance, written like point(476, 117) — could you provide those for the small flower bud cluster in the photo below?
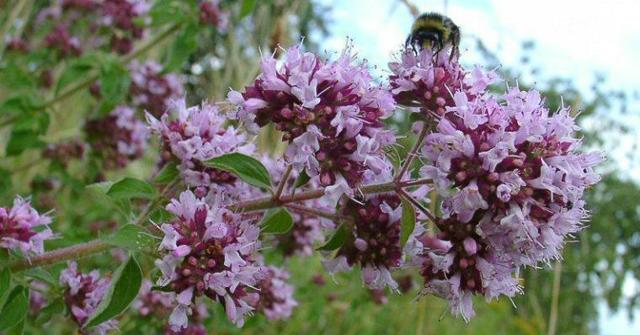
point(17, 44)
point(122, 15)
point(209, 251)
point(428, 82)
point(331, 115)
point(117, 138)
point(61, 40)
point(23, 229)
point(65, 151)
point(512, 184)
point(151, 90)
point(210, 13)
point(115, 21)
point(158, 305)
point(276, 295)
point(83, 293)
point(195, 135)
point(373, 242)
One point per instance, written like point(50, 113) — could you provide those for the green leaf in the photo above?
point(183, 46)
point(5, 283)
point(19, 141)
point(77, 70)
point(302, 179)
point(247, 8)
point(41, 275)
point(114, 82)
point(5, 181)
point(245, 167)
point(408, 222)
point(101, 187)
point(166, 11)
point(160, 215)
point(337, 240)
point(55, 307)
point(17, 329)
point(276, 221)
point(15, 309)
point(124, 288)
point(132, 237)
point(21, 104)
point(167, 174)
point(128, 188)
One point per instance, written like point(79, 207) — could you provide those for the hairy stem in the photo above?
point(283, 182)
point(96, 246)
point(412, 154)
point(60, 255)
point(313, 211)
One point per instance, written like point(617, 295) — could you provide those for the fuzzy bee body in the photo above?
point(434, 31)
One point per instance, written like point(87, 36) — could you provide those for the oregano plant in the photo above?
point(164, 206)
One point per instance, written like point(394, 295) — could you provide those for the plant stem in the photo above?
point(417, 204)
point(269, 202)
point(61, 255)
point(412, 154)
point(313, 211)
point(96, 246)
point(282, 182)
point(88, 248)
point(555, 294)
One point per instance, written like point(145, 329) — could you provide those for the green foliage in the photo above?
point(408, 222)
point(276, 221)
point(167, 174)
point(337, 240)
point(124, 287)
point(302, 179)
point(15, 309)
point(130, 188)
point(132, 237)
point(114, 82)
point(244, 167)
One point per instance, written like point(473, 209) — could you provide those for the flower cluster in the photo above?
point(122, 15)
point(512, 186)
point(157, 304)
point(152, 90)
point(374, 241)
point(63, 152)
point(276, 296)
point(330, 113)
point(428, 81)
point(117, 138)
point(23, 229)
point(115, 21)
point(61, 40)
point(194, 135)
point(83, 293)
point(208, 251)
point(210, 13)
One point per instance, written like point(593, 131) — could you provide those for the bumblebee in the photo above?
point(436, 32)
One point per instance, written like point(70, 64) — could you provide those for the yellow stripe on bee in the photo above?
point(430, 23)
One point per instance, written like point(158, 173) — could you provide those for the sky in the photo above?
point(573, 39)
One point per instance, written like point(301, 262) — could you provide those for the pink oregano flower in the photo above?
point(23, 229)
